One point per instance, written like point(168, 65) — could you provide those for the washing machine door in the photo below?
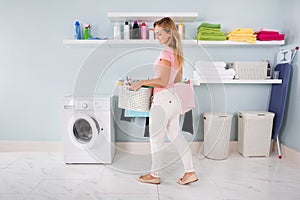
point(83, 130)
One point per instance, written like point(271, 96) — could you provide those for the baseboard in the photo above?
point(141, 147)
point(30, 146)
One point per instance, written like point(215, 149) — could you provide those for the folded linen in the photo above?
point(266, 37)
point(207, 29)
point(210, 64)
point(209, 25)
point(266, 30)
point(242, 31)
point(241, 35)
point(207, 32)
point(242, 39)
point(211, 37)
point(133, 113)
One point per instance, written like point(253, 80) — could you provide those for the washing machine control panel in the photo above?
point(88, 104)
point(84, 105)
point(102, 105)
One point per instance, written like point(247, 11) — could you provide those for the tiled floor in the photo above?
point(40, 175)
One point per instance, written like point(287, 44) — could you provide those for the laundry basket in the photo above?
point(217, 128)
point(254, 133)
point(139, 100)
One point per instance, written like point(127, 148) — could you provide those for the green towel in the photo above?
point(211, 33)
point(207, 29)
point(210, 37)
point(208, 25)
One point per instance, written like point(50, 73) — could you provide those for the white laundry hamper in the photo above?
point(217, 128)
point(254, 133)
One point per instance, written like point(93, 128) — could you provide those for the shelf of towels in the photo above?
point(202, 43)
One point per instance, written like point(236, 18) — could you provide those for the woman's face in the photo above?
point(161, 35)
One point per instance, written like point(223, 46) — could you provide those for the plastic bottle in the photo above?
point(77, 31)
point(143, 31)
point(117, 31)
point(86, 34)
point(135, 31)
point(126, 31)
point(151, 34)
point(181, 30)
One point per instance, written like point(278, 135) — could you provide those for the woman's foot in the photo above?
point(188, 177)
point(148, 178)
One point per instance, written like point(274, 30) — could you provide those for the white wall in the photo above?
point(37, 70)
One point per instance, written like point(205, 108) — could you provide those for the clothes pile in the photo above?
point(213, 71)
point(208, 31)
point(264, 34)
point(242, 35)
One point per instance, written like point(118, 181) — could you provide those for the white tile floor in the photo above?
point(40, 175)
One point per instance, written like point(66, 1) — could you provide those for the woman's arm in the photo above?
point(162, 81)
point(178, 78)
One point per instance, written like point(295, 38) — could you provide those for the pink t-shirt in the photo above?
point(165, 54)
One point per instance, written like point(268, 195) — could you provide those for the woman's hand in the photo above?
point(136, 85)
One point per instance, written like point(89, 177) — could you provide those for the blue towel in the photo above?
point(133, 113)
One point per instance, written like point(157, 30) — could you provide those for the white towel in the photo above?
point(210, 64)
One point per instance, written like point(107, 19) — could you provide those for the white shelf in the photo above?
point(234, 81)
point(151, 16)
point(185, 42)
point(233, 43)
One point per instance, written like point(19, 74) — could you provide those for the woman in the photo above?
point(165, 109)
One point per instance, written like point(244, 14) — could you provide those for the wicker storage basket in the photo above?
point(250, 70)
point(139, 100)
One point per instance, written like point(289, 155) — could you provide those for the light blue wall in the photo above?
point(37, 70)
point(291, 130)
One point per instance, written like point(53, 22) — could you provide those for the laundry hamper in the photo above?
point(254, 133)
point(217, 128)
point(250, 70)
point(139, 100)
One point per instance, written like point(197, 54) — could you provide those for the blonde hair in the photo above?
point(168, 25)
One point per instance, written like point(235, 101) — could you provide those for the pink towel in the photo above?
point(269, 37)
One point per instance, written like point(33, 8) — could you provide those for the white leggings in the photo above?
point(164, 117)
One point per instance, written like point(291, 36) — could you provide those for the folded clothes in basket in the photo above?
point(133, 113)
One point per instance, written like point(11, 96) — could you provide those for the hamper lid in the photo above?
point(256, 114)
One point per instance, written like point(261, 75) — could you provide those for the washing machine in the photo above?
point(88, 132)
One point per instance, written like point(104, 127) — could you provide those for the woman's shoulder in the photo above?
point(167, 51)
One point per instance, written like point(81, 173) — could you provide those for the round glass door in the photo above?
point(84, 129)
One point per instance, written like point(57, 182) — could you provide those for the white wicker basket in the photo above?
point(139, 100)
point(250, 70)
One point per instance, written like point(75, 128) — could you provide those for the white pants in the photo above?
point(164, 118)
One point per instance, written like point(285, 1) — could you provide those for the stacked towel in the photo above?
point(242, 35)
point(269, 34)
point(212, 71)
point(207, 31)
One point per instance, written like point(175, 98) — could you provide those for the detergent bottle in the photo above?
point(143, 31)
point(86, 34)
point(77, 31)
point(135, 31)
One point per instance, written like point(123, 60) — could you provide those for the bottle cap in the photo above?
point(77, 23)
point(126, 23)
point(143, 24)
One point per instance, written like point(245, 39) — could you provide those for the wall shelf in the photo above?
point(235, 81)
point(151, 16)
point(185, 42)
point(233, 43)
